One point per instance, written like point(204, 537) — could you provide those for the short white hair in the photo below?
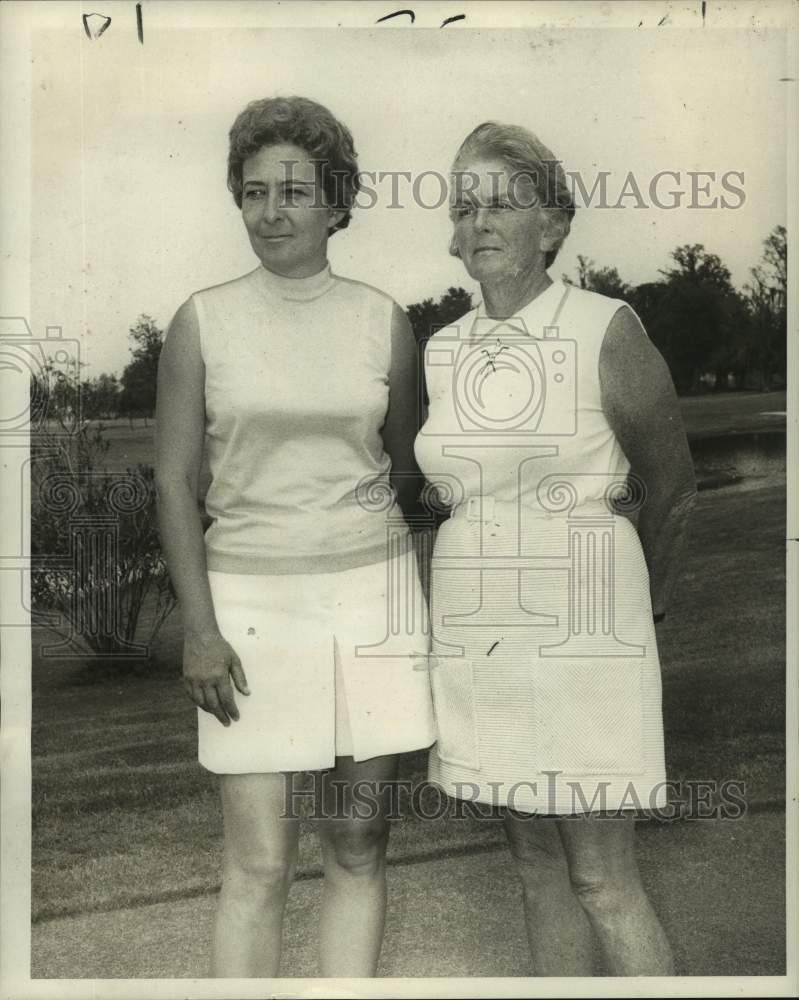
point(524, 153)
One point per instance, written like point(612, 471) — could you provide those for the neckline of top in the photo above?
point(521, 319)
point(296, 289)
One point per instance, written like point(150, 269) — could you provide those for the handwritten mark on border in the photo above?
point(90, 25)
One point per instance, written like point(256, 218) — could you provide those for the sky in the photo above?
point(131, 214)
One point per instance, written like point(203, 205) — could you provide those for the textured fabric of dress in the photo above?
point(544, 666)
point(312, 573)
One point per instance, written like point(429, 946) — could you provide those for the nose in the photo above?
point(272, 208)
point(482, 219)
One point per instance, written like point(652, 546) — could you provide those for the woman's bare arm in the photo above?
point(179, 444)
point(208, 661)
point(402, 419)
point(640, 404)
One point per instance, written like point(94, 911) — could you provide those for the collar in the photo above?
point(297, 289)
point(530, 320)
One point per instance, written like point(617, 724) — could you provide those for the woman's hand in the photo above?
point(209, 663)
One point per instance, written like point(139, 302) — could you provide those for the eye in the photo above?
point(253, 193)
point(461, 211)
point(502, 206)
point(294, 195)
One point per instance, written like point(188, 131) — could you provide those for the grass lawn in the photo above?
point(733, 412)
point(122, 812)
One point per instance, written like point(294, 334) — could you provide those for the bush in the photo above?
point(96, 555)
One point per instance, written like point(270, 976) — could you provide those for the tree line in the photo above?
point(712, 335)
point(70, 396)
point(132, 395)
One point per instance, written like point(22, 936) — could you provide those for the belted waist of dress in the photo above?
point(485, 507)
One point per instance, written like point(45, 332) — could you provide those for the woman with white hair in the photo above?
point(552, 419)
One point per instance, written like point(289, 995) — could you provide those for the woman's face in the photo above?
point(501, 229)
point(284, 210)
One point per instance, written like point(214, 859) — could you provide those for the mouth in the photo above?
point(275, 239)
point(488, 250)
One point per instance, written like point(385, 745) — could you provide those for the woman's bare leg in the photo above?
point(604, 874)
point(354, 839)
point(260, 859)
point(560, 938)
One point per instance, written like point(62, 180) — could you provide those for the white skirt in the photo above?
point(336, 663)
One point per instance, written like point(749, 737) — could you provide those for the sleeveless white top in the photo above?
point(296, 392)
point(515, 404)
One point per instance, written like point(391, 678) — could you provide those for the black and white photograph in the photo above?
point(399, 534)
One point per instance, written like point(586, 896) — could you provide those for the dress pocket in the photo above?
point(589, 717)
point(452, 681)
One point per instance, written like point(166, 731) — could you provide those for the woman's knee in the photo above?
point(257, 872)
point(536, 848)
point(260, 844)
point(357, 846)
point(606, 896)
point(602, 864)
point(605, 885)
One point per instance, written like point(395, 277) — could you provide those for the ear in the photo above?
point(555, 229)
point(334, 217)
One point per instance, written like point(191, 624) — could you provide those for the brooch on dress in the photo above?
point(491, 357)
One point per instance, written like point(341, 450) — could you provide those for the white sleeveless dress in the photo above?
point(545, 671)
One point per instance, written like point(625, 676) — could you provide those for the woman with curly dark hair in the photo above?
point(301, 387)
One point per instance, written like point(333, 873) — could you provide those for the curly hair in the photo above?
point(308, 125)
point(524, 153)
